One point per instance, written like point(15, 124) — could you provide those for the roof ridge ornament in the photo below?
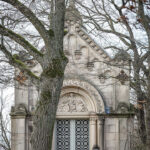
point(72, 13)
point(72, 3)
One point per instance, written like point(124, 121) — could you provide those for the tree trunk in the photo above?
point(147, 109)
point(141, 125)
point(147, 114)
point(54, 63)
point(45, 113)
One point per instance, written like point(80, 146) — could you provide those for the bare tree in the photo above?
point(127, 22)
point(26, 27)
point(4, 124)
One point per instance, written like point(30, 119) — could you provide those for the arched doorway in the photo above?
point(77, 123)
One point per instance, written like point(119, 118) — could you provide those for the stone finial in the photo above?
point(72, 13)
point(72, 3)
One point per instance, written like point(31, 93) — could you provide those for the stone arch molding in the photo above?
point(79, 97)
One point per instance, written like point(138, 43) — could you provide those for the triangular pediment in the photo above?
point(91, 43)
point(81, 50)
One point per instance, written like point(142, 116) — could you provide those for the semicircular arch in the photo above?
point(79, 97)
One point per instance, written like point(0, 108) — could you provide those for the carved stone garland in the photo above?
point(72, 102)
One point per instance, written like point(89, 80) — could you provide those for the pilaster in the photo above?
point(92, 127)
point(18, 127)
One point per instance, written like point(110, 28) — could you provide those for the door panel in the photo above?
point(82, 134)
point(63, 135)
point(72, 135)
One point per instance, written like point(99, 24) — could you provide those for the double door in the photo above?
point(72, 135)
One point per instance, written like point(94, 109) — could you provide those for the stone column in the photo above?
point(92, 128)
point(100, 128)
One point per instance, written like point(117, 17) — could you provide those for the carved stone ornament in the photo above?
point(90, 66)
point(102, 78)
point(19, 110)
point(21, 78)
point(90, 90)
point(122, 108)
point(78, 54)
point(72, 103)
point(122, 77)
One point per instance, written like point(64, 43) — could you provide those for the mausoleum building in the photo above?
point(94, 102)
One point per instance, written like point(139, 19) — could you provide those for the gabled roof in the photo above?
point(91, 42)
point(73, 15)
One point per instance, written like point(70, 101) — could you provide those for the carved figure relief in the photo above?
point(72, 103)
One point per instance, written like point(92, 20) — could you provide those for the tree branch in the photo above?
point(31, 16)
point(4, 134)
point(145, 19)
point(22, 41)
point(18, 63)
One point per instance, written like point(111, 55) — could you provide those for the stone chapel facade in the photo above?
point(94, 102)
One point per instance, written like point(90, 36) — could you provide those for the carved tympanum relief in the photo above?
point(72, 102)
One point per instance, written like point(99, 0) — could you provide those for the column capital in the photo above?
point(93, 118)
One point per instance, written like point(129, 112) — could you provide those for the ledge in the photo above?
point(117, 115)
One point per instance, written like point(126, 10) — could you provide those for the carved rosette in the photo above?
point(72, 102)
point(122, 77)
